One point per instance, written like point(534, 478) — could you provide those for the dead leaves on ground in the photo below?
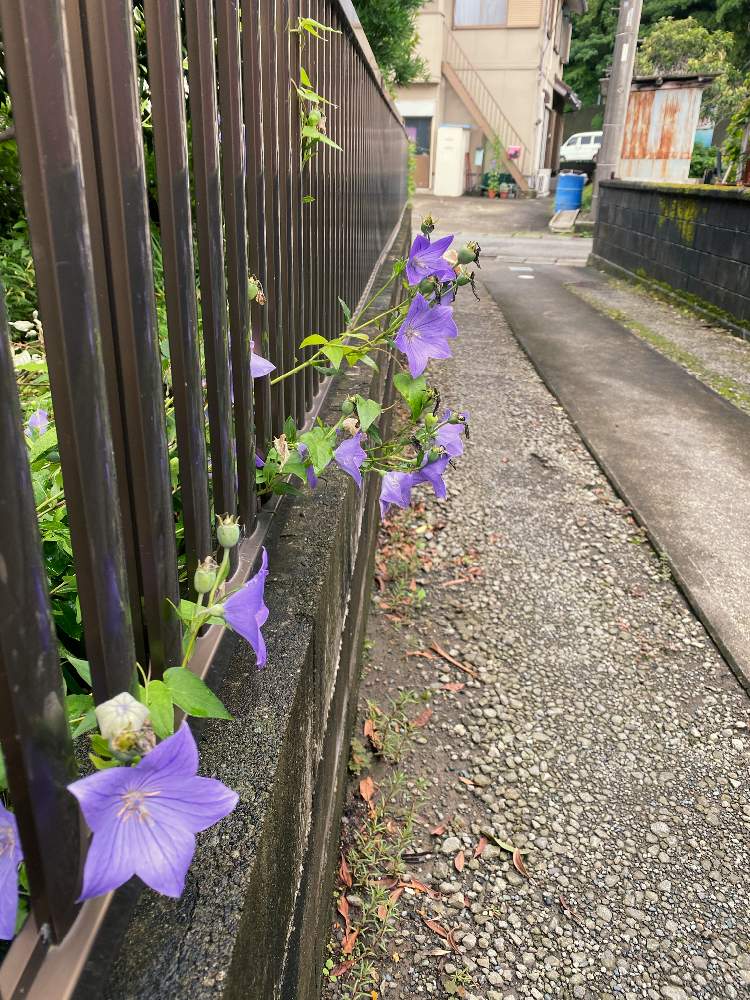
point(367, 789)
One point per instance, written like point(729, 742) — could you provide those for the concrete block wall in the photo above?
point(691, 238)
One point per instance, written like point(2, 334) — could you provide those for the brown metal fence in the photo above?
point(226, 136)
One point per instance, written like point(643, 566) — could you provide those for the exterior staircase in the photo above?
point(482, 106)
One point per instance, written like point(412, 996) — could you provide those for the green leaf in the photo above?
point(414, 391)
point(367, 411)
point(308, 199)
point(319, 447)
point(102, 765)
point(99, 745)
point(290, 429)
point(192, 695)
point(294, 466)
point(370, 362)
point(334, 353)
point(81, 667)
point(345, 309)
point(313, 338)
point(77, 705)
point(3, 773)
point(304, 78)
point(161, 708)
point(87, 723)
point(43, 443)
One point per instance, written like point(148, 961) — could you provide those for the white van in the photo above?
point(581, 146)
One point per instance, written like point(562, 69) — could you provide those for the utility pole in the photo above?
point(618, 94)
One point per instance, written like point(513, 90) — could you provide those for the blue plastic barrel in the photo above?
point(569, 192)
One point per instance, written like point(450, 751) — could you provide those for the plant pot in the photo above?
point(492, 194)
point(503, 194)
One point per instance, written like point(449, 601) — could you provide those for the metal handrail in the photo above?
point(501, 127)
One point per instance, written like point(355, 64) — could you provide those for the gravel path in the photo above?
point(604, 732)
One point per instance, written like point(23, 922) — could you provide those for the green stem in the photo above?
point(195, 624)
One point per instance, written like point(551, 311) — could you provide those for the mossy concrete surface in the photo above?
point(253, 920)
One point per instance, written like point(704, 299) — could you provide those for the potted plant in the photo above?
point(493, 183)
point(504, 188)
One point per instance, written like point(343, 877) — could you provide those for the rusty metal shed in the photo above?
point(663, 113)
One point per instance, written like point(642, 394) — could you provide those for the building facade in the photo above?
point(494, 82)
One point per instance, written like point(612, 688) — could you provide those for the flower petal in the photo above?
point(350, 455)
point(245, 611)
point(163, 855)
point(260, 366)
point(111, 857)
point(192, 803)
point(177, 756)
point(10, 857)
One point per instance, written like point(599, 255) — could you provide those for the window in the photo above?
point(471, 13)
point(573, 141)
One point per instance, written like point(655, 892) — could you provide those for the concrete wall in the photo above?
point(690, 238)
point(255, 916)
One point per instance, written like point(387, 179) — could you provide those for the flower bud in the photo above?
point(205, 576)
point(428, 285)
point(228, 531)
point(121, 714)
point(430, 421)
point(428, 225)
point(464, 276)
point(469, 254)
point(314, 117)
point(253, 287)
point(347, 406)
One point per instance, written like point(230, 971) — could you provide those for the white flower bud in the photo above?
point(121, 713)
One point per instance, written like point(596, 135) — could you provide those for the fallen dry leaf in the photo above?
point(344, 872)
point(349, 941)
point(469, 782)
point(453, 686)
point(479, 849)
point(422, 719)
point(367, 789)
point(382, 911)
point(421, 887)
point(437, 928)
point(452, 941)
point(425, 654)
point(518, 863)
point(459, 861)
point(341, 970)
point(343, 907)
point(567, 908)
point(451, 659)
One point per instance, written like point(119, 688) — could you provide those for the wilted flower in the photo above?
point(11, 857)
point(424, 334)
point(123, 713)
point(395, 489)
point(282, 449)
point(428, 225)
point(245, 611)
point(426, 259)
point(450, 435)
point(350, 455)
point(432, 472)
point(38, 422)
point(259, 366)
point(144, 818)
point(350, 425)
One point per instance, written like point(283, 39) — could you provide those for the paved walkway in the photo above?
point(678, 452)
point(603, 731)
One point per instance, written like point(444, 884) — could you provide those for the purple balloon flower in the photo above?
point(426, 259)
point(11, 857)
point(350, 455)
point(38, 422)
point(450, 436)
point(144, 818)
point(245, 611)
point(424, 334)
point(259, 366)
point(259, 463)
point(312, 479)
point(395, 489)
point(432, 473)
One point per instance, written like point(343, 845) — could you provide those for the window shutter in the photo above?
point(524, 13)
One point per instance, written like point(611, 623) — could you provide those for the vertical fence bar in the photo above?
point(285, 277)
point(233, 163)
point(300, 264)
point(255, 197)
point(53, 188)
point(166, 85)
point(33, 725)
point(199, 20)
point(308, 58)
point(120, 182)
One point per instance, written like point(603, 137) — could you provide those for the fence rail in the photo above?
point(224, 124)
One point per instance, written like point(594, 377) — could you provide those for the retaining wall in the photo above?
point(691, 240)
point(255, 916)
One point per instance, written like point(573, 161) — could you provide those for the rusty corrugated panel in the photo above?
point(659, 132)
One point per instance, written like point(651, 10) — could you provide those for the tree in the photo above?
point(594, 36)
point(391, 31)
point(685, 46)
point(734, 16)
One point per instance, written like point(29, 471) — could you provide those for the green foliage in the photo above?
point(703, 159)
point(734, 16)
point(735, 132)
point(191, 694)
point(390, 26)
point(686, 46)
point(594, 35)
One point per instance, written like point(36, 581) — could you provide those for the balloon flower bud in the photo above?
point(430, 421)
point(347, 406)
point(428, 225)
point(254, 290)
point(314, 117)
point(205, 576)
point(469, 254)
point(464, 276)
point(428, 285)
point(228, 531)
